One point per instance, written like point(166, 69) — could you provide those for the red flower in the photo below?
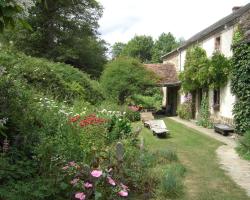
point(91, 120)
point(75, 118)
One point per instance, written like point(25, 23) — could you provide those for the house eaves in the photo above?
point(220, 25)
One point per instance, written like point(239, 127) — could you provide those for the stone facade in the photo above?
point(172, 60)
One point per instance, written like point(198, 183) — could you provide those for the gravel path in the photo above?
point(237, 168)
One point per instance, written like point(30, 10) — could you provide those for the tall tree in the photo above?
point(117, 49)
point(124, 77)
point(12, 11)
point(65, 31)
point(164, 44)
point(139, 47)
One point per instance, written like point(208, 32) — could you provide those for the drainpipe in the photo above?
point(178, 50)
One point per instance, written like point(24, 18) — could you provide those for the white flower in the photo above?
point(3, 121)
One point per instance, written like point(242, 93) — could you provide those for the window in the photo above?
point(216, 105)
point(217, 44)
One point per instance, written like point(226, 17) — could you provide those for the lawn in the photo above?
point(204, 180)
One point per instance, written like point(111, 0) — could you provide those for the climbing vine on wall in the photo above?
point(241, 81)
point(202, 72)
point(195, 69)
point(204, 114)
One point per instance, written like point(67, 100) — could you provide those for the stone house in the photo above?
point(217, 37)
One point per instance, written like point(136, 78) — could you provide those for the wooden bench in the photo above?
point(158, 127)
point(223, 129)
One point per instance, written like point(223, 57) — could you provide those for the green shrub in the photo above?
point(136, 168)
point(244, 146)
point(118, 128)
point(124, 77)
point(172, 183)
point(59, 80)
point(133, 116)
point(184, 110)
point(147, 102)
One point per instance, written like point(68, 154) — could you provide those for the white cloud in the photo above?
point(123, 19)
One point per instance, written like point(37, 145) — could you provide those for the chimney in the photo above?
point(235, 8)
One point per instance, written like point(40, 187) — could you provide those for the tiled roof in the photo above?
point(166, 72)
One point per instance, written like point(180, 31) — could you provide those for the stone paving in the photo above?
point(237, 168)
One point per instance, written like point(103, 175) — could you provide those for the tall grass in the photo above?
point(172, 180)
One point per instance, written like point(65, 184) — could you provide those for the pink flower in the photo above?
point(72, 164)
point(88, 185)
point(124, 187)
point(111, 181)
point(123, 193)
point(96, 173)
point(80, 195)
point(65, 167)
point(74, 181)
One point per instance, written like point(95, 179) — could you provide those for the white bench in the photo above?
point(158, 127)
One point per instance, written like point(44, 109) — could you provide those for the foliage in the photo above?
point(219, 70)
point(93, 183)
point(244, 146)
point(184, 110)
point(199, 71)
point(172, 184)
point(123, 78)
point(147, 102)
point(58, 36)
point(164, 44)
point(136, 167)
point(240, 85)
point(59, 80)
point(35, 147)
point(117, 49)
point(204, 113)
point(195, 70)
point(119, 127)
point(133, 116)
point(139, 47)
point(41, 134)
point(12, 11)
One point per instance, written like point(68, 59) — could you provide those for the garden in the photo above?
point(63, 138)
point(70, 119)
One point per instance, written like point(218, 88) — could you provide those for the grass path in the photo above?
point(204, 179)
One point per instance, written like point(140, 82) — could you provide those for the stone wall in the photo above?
point(172, 60)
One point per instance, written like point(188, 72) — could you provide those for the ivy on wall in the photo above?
point(240, 85)
point(202, 72)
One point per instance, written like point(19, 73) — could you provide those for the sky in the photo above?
point(123, 19)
